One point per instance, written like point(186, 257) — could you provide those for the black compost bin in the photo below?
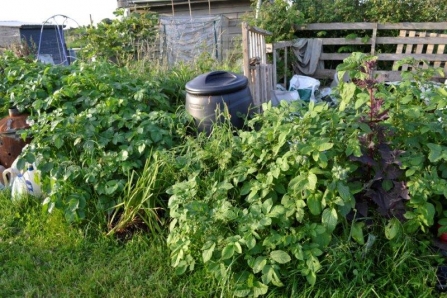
point(211, 92)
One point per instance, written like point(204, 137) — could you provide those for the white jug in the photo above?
point(18, 188)
point(9, 175)
point(32, 179)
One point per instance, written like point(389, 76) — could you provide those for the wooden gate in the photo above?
point(256, 68)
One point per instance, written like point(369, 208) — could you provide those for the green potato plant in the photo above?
point(261, 205)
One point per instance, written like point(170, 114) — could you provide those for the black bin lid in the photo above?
point(216, 83)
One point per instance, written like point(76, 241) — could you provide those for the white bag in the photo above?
point(306, 87)
point(278, 95)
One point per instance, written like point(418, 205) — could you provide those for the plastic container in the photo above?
point(19, 188)
point(11, 173)
point(211, 92)
point(32, 179)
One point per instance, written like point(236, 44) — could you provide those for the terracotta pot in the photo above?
point(11, 144)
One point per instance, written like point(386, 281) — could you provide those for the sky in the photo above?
point(39, 11)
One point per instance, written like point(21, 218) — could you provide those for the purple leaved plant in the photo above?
point(380, 166)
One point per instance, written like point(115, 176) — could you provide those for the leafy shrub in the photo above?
point(93, 124)
point(265, 204)
point(393, 11)
point(278, 17)
point(122, 40)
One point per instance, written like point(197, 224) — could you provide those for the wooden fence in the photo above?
point(421, 41)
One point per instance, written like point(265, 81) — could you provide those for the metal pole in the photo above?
point(190, 12)
point(258, 8)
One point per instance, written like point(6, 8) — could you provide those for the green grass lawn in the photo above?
point(43, 256)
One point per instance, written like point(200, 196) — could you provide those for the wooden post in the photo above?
point(245, 49)
point(440, 50)
point(285, 67)
point(274, 63)
point(409, 48)
point(430, 48)
point(373, 40)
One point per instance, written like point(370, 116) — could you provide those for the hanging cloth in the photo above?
point(307, 52)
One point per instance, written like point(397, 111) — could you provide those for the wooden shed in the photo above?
point(46, 40)
point(232, 9)
point(231, 12)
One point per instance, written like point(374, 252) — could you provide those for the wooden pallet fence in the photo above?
point(417, 40)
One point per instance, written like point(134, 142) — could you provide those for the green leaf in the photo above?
point(314, 204)
point(250, 241)
point(315, 155)
point(322, 160)
point(238, 247)
point(111, 186)
point(357, 232)
point(267, 206)
point(259, 289)
point(208, 252)
point(436, 152)
point(362, 98)
point(410, 172)
point(280, 256)
point(265, 221)
point(364, 127)
point(344, 192)
point(246, 188)
point(242, 292)
point(228, 251)
point(181, 268)
point(347, 93)
point(407, 98)
point(329, 218)
point(325, 146)
point(277, 211)
point(392, 229)
point(283, 164)
point(427, 213)
point(123, 155)
point(58, 141)
point(270, 275)
point(297, 183)
point(259, 264)
point(312, 179)
point(141, 148)
point(311, 277)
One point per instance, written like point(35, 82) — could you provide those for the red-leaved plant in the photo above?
point(379, 168)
